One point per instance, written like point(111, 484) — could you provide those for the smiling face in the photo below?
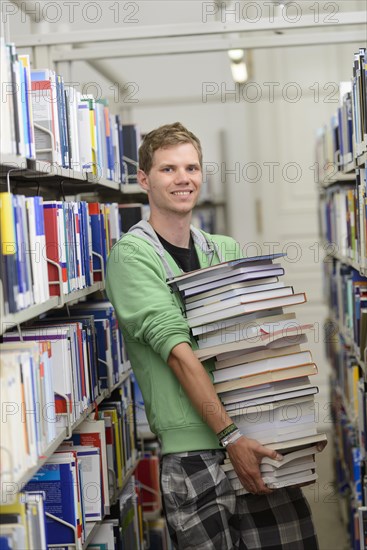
point(174, 181)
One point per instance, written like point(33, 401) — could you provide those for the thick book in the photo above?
point(245, 331)
point(292, 335)
point(238, 358)
point(249, 298)
point(254, 367)
point(270, 303)
point(267, 377)
point(263, 390)
point(244, 275)
point(231, 291)
point(270, 399)
point(222, 269)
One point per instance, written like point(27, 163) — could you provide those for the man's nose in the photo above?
point(181, 176)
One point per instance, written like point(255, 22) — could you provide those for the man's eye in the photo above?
point(193, 168)
point(167, 169)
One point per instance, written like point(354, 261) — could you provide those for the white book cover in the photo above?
point(239, 357)
point(192, 280)
point(85, 141)
point(285, 301)
point(18, 98)
point(245, 332)
point(254, 367)
point(293, 335)
point(222, 297)
point(14, 442)
point(236, 396)
point(61, 363)
point(89, 459)
point(251, 297)
point(218, 270)
point(249, 286)
point(260, 275)
point(233, 323)
point(296, 479)
point(72, 97)
point(105, 536)
point(271, 398)
point(97, 437)
point(7, 130)
point(101, 139)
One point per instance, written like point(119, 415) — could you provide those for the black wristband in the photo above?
point(227, 431)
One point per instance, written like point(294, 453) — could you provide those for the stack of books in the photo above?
point(261, 374)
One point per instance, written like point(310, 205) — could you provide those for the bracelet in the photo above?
point(231, 438)
point(227, 431)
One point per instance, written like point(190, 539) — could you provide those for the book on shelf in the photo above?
point(344, 139)
point(26, 385)
point(34, 231)
point(48, 120)
point(59, 479)
point(341, 155)
point(22, 523)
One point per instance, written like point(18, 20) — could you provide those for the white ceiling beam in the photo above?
point(206, 46)
point(278, 24)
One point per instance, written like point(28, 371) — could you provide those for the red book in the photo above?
point(147, 472)
point(51, 211)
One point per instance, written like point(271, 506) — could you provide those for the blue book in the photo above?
point(120, 148)
point(104, 311)
point(57, 482)
point(61, 109)
point(20, 239)
point(6, 542)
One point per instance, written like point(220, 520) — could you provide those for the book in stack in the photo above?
point(241, 314)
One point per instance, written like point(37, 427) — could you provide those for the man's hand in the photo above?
point(246, 455)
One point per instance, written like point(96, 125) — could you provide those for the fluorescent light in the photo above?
point(239, 72)
point(236, 55)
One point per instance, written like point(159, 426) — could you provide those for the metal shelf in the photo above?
point(13, 319)
point(132, 189)
point(93, 528)
point(24, 315)
point(362, 159)
point(338, 178)
point(362, 270)
point(350, 342)
point(124, 377)
point(41, 172)
point(126, 479)
point(103, 182)
point(11, 161)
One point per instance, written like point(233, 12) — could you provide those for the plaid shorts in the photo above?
point(203, 512)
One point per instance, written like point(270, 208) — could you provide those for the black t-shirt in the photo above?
point(186, 258)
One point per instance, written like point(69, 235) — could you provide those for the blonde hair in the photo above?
point(162, 138)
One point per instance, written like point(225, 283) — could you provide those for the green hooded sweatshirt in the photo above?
point(151, 319)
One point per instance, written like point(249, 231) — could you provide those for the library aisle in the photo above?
point(276, 92)
point(326, 508)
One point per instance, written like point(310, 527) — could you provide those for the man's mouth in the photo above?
point(182, 193)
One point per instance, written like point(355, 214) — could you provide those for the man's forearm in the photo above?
point(199, 388)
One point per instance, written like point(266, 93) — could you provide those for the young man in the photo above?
point(182, 406)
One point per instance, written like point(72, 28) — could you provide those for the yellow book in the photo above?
point(17, 508)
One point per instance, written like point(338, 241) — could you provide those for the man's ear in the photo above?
point(143, 180)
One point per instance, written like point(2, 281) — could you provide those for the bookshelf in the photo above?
point(26, 175)
point(342, 157)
